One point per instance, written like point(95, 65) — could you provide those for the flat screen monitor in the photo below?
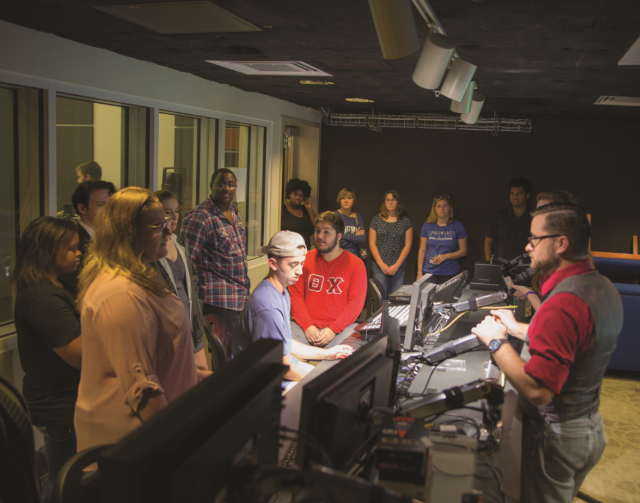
point(420, 292)
point(189, 452)
point(450, 290)
point(335, 405)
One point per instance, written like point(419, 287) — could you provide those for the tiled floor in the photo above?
point(616, 478)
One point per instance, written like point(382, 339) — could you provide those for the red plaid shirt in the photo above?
point(219, 251)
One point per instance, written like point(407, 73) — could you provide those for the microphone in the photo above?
point(451, 349)
point(473, 303)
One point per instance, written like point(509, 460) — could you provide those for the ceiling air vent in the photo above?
point(618, 101)
point(180, 17)
point(297, 68)
point(632, 57)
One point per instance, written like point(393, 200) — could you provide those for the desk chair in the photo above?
point(218, 355)
point(73, 484)
point(18, 479)
point(376, 294)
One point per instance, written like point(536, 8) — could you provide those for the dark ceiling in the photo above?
point(535, 58)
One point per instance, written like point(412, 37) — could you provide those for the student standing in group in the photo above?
point(89, 170)
point(180, 275)
point(137, 355)
point(297, 213)
point(218, 246)
point(507, 234)
point(49, 342)
point(443, 241)
point(390, 240)
point(354, 234)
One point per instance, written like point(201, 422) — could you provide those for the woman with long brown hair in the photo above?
point(48, 328)
point(137, 352)
point(390, 240)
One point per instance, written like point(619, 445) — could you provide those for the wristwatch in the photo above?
point(495, 344)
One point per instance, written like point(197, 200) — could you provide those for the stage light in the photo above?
point(459, 76)
point(463, 106)
point(433, 61)
point(396, 27)
point(474, 111)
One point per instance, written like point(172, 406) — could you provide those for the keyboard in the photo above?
point(401, 313)
point(402, 294)
point(289, 459)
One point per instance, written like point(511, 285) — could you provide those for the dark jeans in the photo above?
point(226, 324)
point(390, 283)
point(59, 445)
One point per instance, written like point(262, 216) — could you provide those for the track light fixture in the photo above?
point(474, 112)
point(463, 106)
point(396, 27)
point(434, 60)
point(460, 75)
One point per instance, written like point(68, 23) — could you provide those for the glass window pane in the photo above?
point(244, 155)
point(112, 135)
point(7, 200)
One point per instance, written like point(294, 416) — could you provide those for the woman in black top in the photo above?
point(48, 327)
point(297, 213)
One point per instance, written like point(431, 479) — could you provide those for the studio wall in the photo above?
point(595, 159)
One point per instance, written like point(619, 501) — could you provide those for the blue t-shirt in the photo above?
point(265, 316)
point(350, 241)
point(441, 240)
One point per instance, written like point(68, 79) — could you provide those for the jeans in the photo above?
point(59, 445)
point(390, 283)
point(556, 457)
point(297, 334)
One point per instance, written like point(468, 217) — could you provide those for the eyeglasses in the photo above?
point(531, 239)
point(160, 227)
point(229, 185)
point(437, 198)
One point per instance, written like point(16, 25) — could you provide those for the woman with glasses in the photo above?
point(48, 329)
point(390, 239)
point(137, 355)
point(180, 275)
point(297, 213)
point(443, 241)
point(354, 234)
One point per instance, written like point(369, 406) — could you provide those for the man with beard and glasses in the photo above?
point(266, 315)
point(331, 291)
point(567, 348)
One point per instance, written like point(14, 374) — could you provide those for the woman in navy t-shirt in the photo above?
point(443, 241)
point(354, 233)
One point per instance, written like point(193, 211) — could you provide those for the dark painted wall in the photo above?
point(596, 160)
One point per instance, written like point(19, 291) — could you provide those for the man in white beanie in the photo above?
point(267, 312)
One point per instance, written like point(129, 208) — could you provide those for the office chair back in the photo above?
point(376, 293)
point(73, 484)
point(18, 478)
point(218, 355)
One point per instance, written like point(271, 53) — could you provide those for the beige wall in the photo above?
point(107, 141)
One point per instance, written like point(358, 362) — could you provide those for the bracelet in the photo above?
point(529, 293)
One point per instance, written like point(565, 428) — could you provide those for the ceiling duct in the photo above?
point(618, 101)
point(297, 68)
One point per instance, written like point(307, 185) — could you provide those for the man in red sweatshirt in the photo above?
point(330, 294)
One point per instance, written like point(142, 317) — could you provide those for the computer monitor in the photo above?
point(450, 290)
point(188, 451)
point(420, 292)
point(335, 405)
point(489, 277)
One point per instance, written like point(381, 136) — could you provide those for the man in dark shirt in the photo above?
point(88, 199)
point(508, 231)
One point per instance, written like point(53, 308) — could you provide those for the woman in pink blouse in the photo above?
point(136, 355)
